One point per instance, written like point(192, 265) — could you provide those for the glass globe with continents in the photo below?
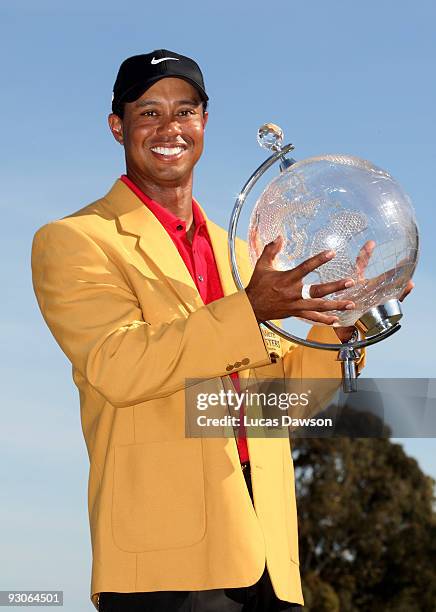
point(348, 205)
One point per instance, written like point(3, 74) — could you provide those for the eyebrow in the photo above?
point(152, 102)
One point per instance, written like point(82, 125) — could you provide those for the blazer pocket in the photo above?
point(158, 495)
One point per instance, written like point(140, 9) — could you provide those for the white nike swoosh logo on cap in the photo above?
point(162, 59)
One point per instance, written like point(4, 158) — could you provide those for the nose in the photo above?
point(169, 126)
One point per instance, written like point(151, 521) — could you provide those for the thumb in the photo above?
point(271, 250)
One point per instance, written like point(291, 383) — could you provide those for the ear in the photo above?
point(205, 118)
point(116, 127)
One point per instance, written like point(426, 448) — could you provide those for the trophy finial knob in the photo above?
point(270, 136)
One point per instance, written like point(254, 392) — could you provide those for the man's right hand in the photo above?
point(277, 295)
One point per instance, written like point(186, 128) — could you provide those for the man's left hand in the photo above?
point(344, 333)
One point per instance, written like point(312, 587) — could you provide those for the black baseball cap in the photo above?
point(139, 72)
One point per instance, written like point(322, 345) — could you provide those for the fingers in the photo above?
point(270, 251)
point(325, 305)
point(318, 317)
point(317, 291)
point(364, 257)
point(311, 264)
point(407, 289)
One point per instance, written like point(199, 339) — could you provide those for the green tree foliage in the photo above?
point(367, 526)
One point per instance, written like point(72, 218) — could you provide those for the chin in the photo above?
point(170, 176)
point(173, 170)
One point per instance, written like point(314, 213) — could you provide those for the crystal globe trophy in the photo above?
point(340, 203)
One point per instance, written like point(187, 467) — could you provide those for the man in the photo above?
point(137, 290)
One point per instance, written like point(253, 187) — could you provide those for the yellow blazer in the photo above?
point(166, 512)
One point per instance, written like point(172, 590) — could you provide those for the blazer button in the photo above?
point(238, 364)
point(245, 361)
point(229, 368)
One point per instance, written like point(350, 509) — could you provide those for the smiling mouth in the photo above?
point(168, 151)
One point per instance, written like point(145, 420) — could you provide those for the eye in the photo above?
point(186, 112)
point(149, 113)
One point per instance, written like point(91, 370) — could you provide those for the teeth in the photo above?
point(167, 150)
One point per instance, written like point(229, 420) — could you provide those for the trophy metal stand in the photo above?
point(376, 324)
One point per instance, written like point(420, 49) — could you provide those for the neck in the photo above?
point(177, 198)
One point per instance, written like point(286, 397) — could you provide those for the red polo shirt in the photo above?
point(200, 261)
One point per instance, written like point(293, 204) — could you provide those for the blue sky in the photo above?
point(339, 77)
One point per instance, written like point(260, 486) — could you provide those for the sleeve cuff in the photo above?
point(245, 346)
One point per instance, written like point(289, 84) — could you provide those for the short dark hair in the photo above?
point(119, 110)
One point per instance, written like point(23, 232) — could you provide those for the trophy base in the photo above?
point(380, 318)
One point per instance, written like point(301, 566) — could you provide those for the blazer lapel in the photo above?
point(153, 240)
